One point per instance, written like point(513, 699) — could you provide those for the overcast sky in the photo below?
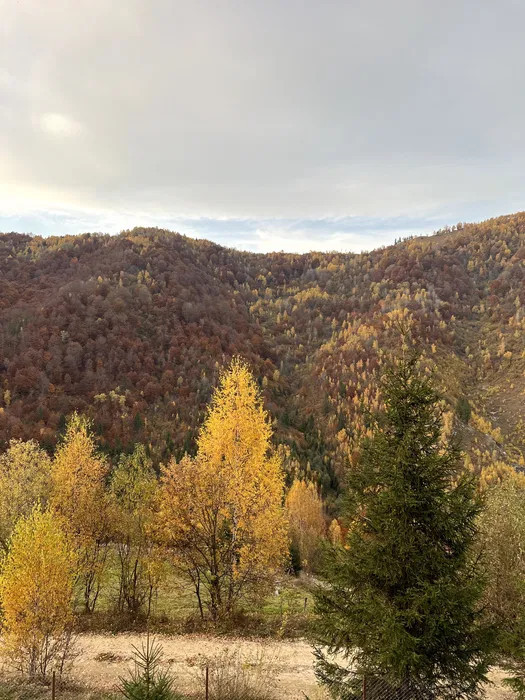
point(261, 124)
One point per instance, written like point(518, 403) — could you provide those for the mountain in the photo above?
point(132, 330)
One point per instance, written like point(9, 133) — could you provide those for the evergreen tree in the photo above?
point(400, 604)
point(148, 680)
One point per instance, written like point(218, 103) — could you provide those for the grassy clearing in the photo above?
point(286, 611)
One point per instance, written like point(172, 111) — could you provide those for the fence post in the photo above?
point(53, 686)
point(207, 682)
point(364, 686)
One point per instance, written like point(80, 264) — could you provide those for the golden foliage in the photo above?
point(335, 534)
point(222, 510)
point(307, 523)
point(36, 593)
point(498, 472)
point(25, 480)
point(79, 496)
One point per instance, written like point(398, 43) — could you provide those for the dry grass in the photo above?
point(237, 676)
point(282, 669)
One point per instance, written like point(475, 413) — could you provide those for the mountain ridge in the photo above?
point(132, 329)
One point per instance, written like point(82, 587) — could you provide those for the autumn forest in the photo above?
point(194, 438)
point(132, 331)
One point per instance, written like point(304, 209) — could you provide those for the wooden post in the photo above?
point(305, 603)
point(207, 683)
point(364, 687)
point(53, 686)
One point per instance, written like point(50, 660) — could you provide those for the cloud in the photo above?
point(59, 124)
point(263, 110)
point(298, 235)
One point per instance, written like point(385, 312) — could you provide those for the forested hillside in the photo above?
point(132, 329)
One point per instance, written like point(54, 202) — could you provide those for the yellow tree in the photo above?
point(78, 495)
point(36, 594)
point(335, 534)
point(25, 479)
point(133, 492)
point(222, 511)
point(306, 517)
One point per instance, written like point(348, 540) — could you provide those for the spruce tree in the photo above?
point(399, 605)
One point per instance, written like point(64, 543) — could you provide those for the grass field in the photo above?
point(285, 611)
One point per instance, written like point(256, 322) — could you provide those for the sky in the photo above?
point(261, 124)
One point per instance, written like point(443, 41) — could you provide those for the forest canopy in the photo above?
point(131, 331)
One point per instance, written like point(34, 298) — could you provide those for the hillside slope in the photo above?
point(132, 330)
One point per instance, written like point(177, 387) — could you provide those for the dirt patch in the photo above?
point(105, 658)
point(288, 665)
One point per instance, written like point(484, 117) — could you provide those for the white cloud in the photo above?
point(58, 124)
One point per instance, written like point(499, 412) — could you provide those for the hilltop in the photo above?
point(132, 330)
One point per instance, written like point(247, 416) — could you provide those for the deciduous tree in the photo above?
point(502, 548)
point(79, 496)
point(304, 507)
point(335, 534)
point(36, 594)
point(25, 480)
point(133, 491)
point(222, 511)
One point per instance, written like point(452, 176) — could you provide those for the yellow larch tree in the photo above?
point(335, 534)
point(25, 480)
point(36, 594)
point(222, 511)
point(305, 511)
point(79, 496)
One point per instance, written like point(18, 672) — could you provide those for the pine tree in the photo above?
point(148, 680)
point(401, 600)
